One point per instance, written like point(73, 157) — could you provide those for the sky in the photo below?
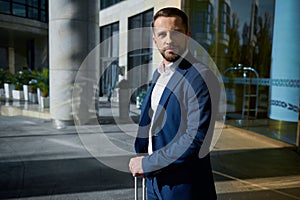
point(243, 10)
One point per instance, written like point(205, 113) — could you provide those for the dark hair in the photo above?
point(171, 12)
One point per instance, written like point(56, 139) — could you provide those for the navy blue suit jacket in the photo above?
point(182, 128)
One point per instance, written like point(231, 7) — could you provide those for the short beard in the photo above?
point(170, 58)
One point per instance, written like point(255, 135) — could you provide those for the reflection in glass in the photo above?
point(33, 9)
point(19, 10)
point(4, 7)
point(33, 13)
point(239, 35)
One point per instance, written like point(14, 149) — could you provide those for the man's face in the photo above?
point(170, 37)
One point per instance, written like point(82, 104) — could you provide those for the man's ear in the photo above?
point(154, 40)
point(189, 33)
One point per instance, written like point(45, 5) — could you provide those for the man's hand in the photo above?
point(135, 166)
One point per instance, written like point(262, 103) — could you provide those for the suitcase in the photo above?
point(136, 188)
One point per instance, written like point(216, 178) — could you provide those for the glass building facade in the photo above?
point(24, 34)
point(32, 9)
point(109, 57)
point(138, 38)
point(244, 40)
point(240, 36)
point(107, 3)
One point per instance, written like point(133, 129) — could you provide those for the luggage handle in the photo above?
point(136, 188)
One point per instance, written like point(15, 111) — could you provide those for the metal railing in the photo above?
point(248, 95)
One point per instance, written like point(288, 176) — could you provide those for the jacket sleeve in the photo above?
point(188, 144)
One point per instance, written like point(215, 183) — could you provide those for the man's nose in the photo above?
point(169, 38)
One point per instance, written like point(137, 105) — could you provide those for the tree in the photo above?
point(234, 49)
point(212, 48)
point(262, 56)
point(246, 49)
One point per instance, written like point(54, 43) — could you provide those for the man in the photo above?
point(177, 117)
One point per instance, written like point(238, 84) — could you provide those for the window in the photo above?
point(43, 4)
point(140, 47)
point(107, 3)
point(109, 53)
point(109, 34)
point(32, 9)
point(202, 16)
point(18, 10)
point(5, 7)
point(33, 13)
point(19, 1)
point(224, 18)
point(34, 3)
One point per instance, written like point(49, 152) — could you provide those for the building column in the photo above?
point(285, 70)
point(298, 133)
point(73, 34)
point(11, 60)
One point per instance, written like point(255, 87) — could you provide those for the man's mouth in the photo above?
point(171, 49)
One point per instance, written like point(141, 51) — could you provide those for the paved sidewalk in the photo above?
point(38, 161)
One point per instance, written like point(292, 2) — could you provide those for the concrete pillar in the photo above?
point(298, 133)
point(285, 70)
point(11, 60)
point(73, 34)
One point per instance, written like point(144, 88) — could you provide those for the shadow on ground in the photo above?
point(50, 177)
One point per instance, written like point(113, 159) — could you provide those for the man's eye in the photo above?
point(161, 34)
point(175, 33)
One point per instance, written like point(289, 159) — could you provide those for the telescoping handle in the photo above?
point(136, 188)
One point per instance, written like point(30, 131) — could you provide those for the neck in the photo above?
point(165, 62)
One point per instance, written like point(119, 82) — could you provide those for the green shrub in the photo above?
point(33, 85)
point(43, 82)
point(5, 77)
point(17, 81)
point(2, 78)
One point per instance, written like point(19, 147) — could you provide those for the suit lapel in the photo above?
point(172, 84)
point(147, 100)
point(154, 79)
point(179, 73)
